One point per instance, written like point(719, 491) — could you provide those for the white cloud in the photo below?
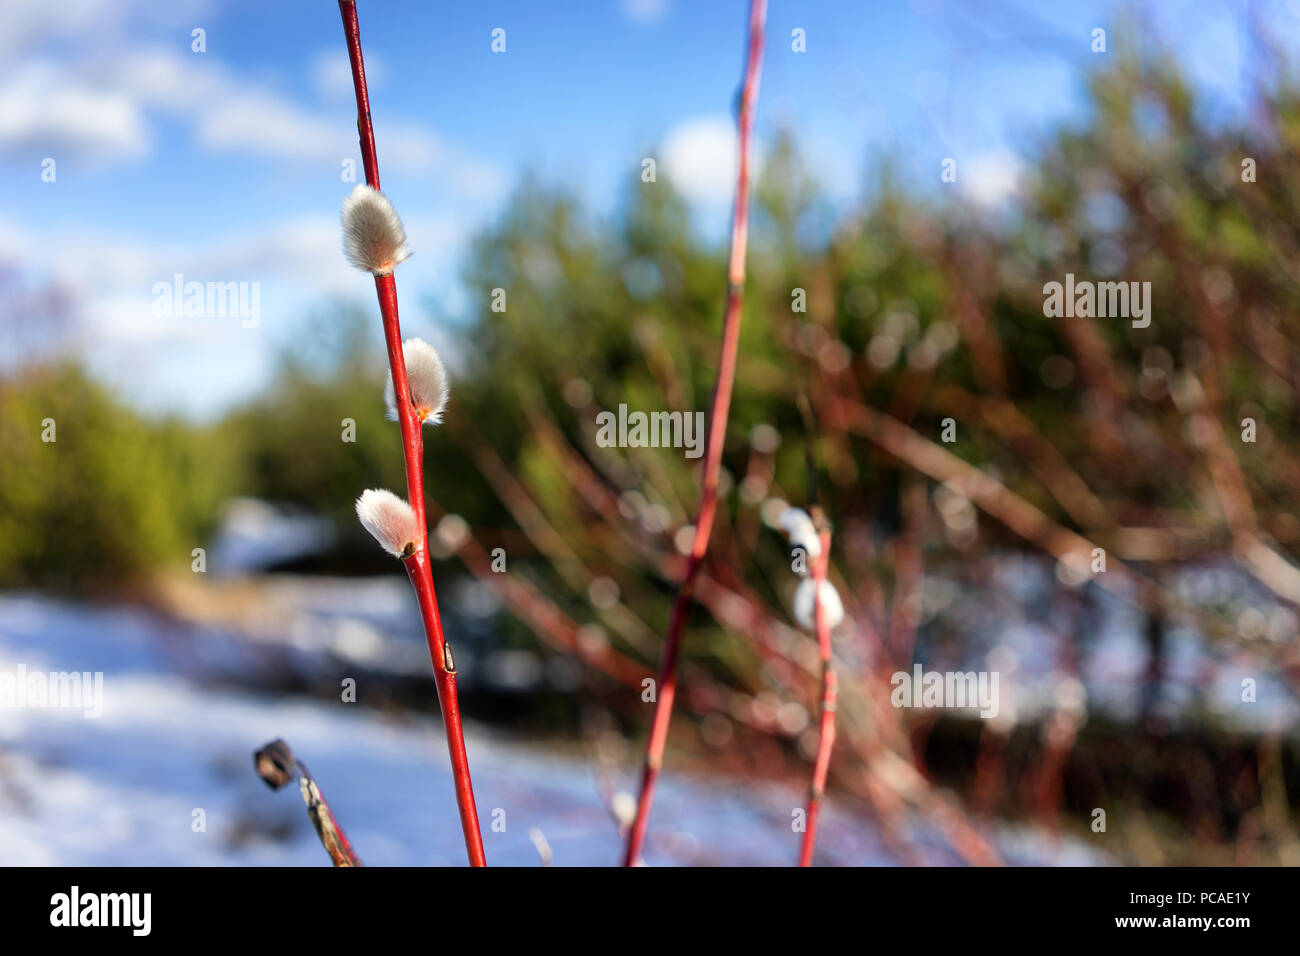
point(411, 147)
point(111, 274)
point(28, 23)
point(100, 264)
point(204, 365)
point(99, 109)
point(161, 78)
point(700, 157)
point(41, 109)
point(256, 120)
point(992, 179)
point(645, 11)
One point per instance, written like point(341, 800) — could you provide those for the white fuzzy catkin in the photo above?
point(373, 238)
point(623, 806)
point(427, 380)
point(389, 519)
point(805, 613)
point(799, 527)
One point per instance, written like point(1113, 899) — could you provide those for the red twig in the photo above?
point(826, 736)
point(721, 403)
point(365, 128)
point(417, 564)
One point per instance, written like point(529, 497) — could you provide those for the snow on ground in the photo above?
point(123, 788)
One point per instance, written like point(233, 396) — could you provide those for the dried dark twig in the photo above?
point(277, 765)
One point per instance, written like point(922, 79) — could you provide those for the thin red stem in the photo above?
point(407, 420)
point(826, 737)
point(719, 408)
point(444, 675)
point(365, 128)
point(417, 565)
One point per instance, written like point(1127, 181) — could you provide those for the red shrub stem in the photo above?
point(365, 128)
point(417, 564)
point(407, 420)
point(719, 408)
point(444, 675)
point(826, 735)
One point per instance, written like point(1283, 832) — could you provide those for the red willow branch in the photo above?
point(721, 403)
point(417, 562)
point(805, 531)
point(830, 689)
point(365, 128)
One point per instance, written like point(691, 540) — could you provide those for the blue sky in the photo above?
point(225, 165)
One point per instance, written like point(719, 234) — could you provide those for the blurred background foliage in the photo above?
point(123, 494)
point(919, 305)
point(927, 307)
